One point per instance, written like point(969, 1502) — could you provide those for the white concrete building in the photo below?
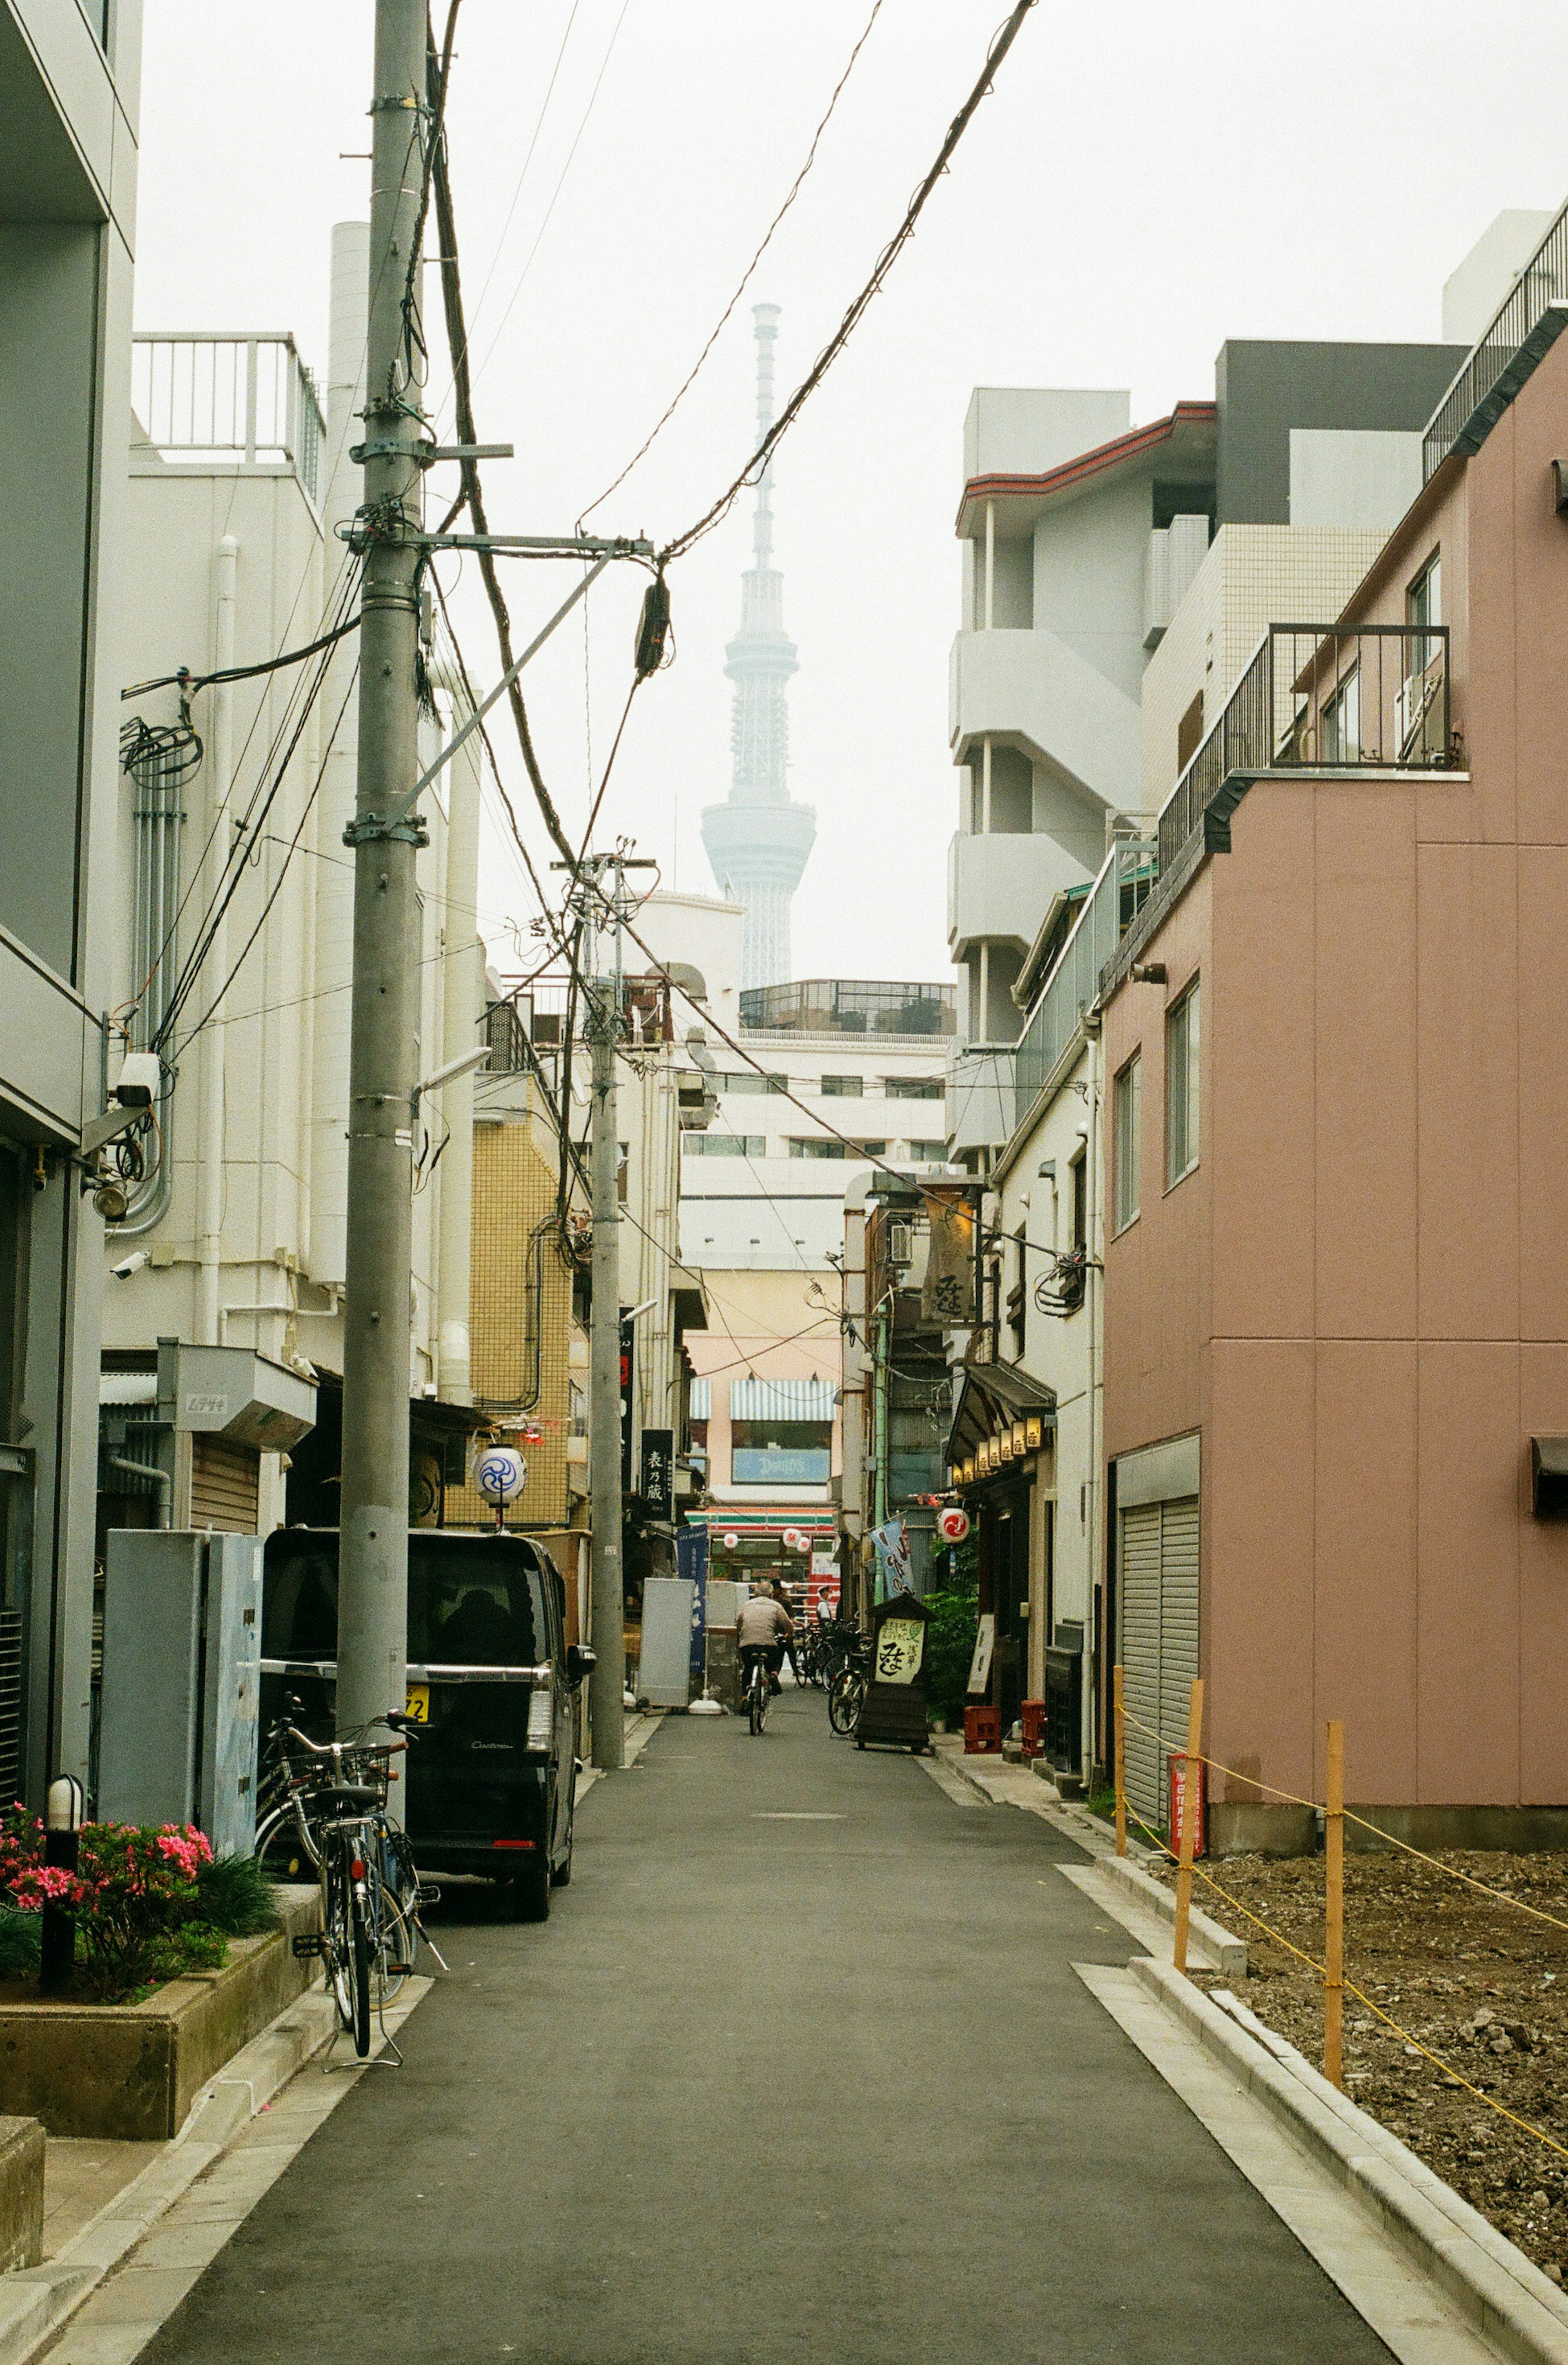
point(233, 923)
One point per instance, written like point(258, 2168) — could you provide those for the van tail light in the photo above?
point(357, 1870)
point(539, 1718)
point(514, 1843)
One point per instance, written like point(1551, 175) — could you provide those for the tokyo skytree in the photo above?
point(759, 841)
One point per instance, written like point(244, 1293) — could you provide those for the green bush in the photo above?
point(237, 1895)
point(18, 1944)
point(950, 1645)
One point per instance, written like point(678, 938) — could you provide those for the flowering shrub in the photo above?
point(135, 1893)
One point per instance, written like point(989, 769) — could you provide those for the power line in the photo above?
point(555, 194)
point(1000, 45)
point(795, 186)
point(189, 683)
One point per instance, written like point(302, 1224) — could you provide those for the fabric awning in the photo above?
point(701, 1399)
point(782, 1399)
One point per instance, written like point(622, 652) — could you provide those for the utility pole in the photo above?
point(373, 1580)
point(599, 903)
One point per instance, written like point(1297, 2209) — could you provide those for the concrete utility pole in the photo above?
point(601, 903)
point(373, 1583)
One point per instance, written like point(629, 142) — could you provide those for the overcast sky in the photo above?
point(1144, 181)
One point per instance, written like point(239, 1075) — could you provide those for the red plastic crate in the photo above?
point(983, 1732)
point(1031, 1723)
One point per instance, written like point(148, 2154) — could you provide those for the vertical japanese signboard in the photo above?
point(658, 1472)
point(627, 1352)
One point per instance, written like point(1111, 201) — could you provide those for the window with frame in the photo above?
point(724, 1145)
point(843, 1087)
point(747, 1081)
point(1127, 1122)
point(1181, 1087)
point(914, 1088)
point(927, 1154)
point(1078, 1186)
point(1342, 722)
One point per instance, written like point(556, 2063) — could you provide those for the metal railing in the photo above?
point(1542, 282)
point(1114, 900)
point(1314, 698)
point(247, 401)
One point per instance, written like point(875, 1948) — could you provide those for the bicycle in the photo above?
point(370, 1887)
point(846, 1688)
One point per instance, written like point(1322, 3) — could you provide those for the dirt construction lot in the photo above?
point(1477, 1982)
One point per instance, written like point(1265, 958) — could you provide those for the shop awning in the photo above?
point(995, 1400)
point(782, 1399)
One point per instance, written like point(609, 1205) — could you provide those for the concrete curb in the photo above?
point(1491, 2282)
point(1228, 1952)
point(37, 2301)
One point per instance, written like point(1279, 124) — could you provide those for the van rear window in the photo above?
point(469, 1604)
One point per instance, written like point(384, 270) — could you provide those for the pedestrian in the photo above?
point(781, 1595)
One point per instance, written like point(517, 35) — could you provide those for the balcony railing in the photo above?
point(1501, 360)
point(1114, 900)
point(1318, 699)
point(247, 401)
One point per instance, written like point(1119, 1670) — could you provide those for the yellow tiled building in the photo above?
point(529, 1354)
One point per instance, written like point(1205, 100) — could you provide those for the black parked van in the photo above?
point(491, 1774)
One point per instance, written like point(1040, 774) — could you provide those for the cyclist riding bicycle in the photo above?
point(762, 1629)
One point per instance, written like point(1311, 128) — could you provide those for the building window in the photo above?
point(1424, 609)
point(1342, 722)
point(724, 1145)
point(1078, 1187)
point(927, 1154)
point(813, 1146)
point(780, 1452)
point(914, 1088)
point(843, 1087)
point(1126, 1142)
point(1017, 1297)
point(749, 1082)
point(1181, 1087)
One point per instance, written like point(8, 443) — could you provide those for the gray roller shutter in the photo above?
point(1159, 1645)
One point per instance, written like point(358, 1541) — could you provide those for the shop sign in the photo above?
point(825, 1561)
point(658, 1472)
point(980, 1665)
point(1034, 1432)
point(1017, 1440)
point(969, 1470)
point(900, 1647)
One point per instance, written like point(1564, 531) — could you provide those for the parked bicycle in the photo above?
point(846, 1688)
point(335, 1802)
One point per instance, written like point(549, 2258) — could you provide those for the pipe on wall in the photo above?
point(221, 774)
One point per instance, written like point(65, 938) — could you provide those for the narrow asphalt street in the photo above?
point(797, 2070)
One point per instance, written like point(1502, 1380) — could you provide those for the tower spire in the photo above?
point(759, 840)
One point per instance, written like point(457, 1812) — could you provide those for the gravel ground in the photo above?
point(1476, 1981)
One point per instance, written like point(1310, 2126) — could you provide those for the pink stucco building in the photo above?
point(1335, 1061)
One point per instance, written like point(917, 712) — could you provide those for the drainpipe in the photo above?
point(149, 1469)
point(221, 774)
point(462, 977)
point(1094, 1306)
point(881, 1386)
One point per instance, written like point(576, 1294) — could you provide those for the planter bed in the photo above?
point(130, 2072)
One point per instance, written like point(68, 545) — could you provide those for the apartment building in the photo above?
point(67, 212)
point(1336, 1336)
point(232, 929)
point(1151, 562)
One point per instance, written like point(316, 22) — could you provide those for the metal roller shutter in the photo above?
point(225, 1485)
point(1139, 1631)
point(1158, 1611)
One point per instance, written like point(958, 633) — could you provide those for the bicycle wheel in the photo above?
point(764, 1696)
point(843, 1700)
point(755, 1701)
point(286, 1846)
point(359, 1969)
point(337, 1935)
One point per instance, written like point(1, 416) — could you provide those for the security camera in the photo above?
point(128, 1265)
point(139, 1080)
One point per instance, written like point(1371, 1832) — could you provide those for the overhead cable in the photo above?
point(684, 389)
point(841, 336)
point(188, 683)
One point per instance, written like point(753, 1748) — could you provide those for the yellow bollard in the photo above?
point(1334, 1909)
point(1192, 1774)
point(1119, 1730)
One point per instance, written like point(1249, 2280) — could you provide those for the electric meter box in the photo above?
point(182, 1682)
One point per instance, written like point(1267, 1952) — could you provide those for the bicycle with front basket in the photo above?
point(370, 1888)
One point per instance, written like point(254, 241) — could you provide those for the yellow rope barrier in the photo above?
point(1389, 2022)
point(1500, 1896)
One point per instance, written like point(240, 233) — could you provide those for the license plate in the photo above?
point(417, 1706)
